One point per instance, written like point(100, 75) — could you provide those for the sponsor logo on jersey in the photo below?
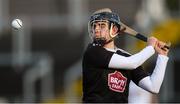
point(117, 82)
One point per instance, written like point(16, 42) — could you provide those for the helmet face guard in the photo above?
point(110, 18)
point(103, 25)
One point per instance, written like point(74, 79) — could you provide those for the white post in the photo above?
point(77, 14)
point(21, 46)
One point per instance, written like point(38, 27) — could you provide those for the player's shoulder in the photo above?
point(122, 52)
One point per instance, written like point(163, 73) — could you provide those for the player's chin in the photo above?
point(100, 38)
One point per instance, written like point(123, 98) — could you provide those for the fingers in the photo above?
point(152, 41)
point(167, 45)
point(160, 49)
point(163, 46)
point(160, 46)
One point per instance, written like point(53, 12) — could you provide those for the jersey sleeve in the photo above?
point(138, 74)
point(132, 62)
point(97, 56)
point(153, 82)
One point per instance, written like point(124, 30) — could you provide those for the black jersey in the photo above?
point(103, 84)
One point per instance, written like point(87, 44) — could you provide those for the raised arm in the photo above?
point(153, 83)
point(134, 61)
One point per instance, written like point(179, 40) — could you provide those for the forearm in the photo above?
point(153, 83)
point(133, 61)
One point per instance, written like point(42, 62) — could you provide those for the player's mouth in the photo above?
point(98, 34)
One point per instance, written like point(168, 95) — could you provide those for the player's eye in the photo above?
point(93, 25)
point(102, 25)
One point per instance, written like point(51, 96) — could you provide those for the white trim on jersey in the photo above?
point(131, 62)
point(153, 83)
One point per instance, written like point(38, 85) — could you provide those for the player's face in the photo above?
point(100, 29)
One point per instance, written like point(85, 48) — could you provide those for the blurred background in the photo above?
point(42, 61)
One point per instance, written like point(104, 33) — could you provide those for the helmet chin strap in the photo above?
point(111, 35)
point(110, 32)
